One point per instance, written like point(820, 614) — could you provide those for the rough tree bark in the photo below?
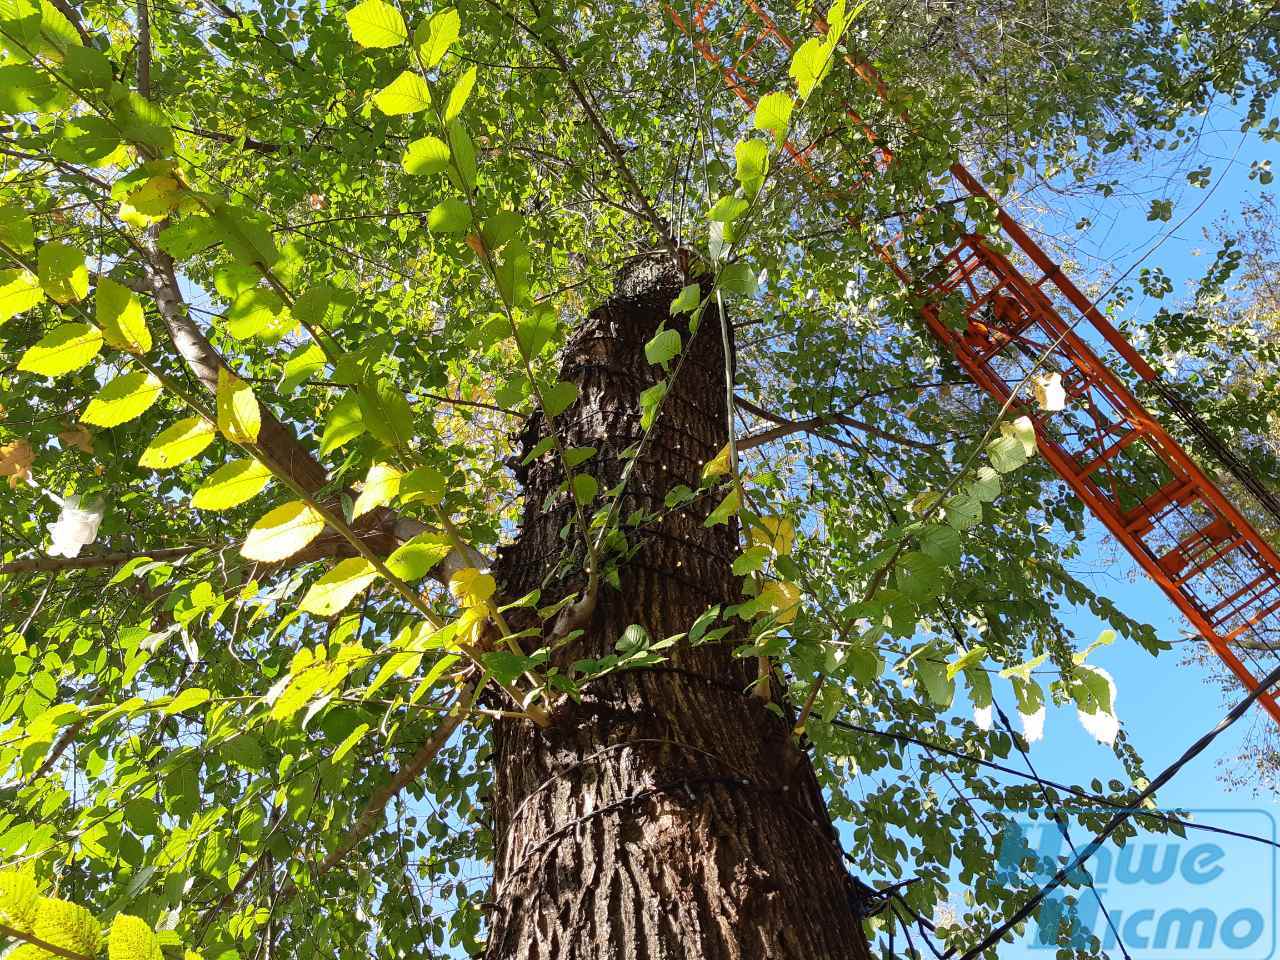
point(668, 814)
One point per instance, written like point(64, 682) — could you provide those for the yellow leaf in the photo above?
point(472, 587)
point(718, 465)
point(178, 444)
point(337, 588)
point(780, 598)
point(67, 347)
point(407, 93)
point(19, 899)
point(131, 938)
point(67, 925)
point(779, 533)
point(238, 415)
point(120, 315)
point(19, 290)
point(375, 23)
point(282, 532)
point(231, 485)
point(123, 399)
point(380, 488)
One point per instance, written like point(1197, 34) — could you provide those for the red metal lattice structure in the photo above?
point(1027, 317)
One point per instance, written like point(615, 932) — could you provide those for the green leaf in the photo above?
point(728, 208)
point(663, 347)
point(535, 329)
point(751, 560)
point(423, 484)
point(186, 700)
point(239, 417)
point(178, 444)
point(449, 216)
point(460, 94)
point(67, 347)
point(87, 68)
point(386, 413)
point(986, 484)
point(500, 228)
point(415, 559)
point(304, 363)
point(282, 532)
point(16, 231)
point(119, 313)
point(131, 938)
point(434, 37)
point(585, 488)
point(123, 399)
point(941, 689)
point(345, 423)
point(1023, 670)
point(688, 299)
point(407, 93)
point(231, 485)
point(20, 290)
point(62, 271)
point(375, 23)
point(773, 113)
point(190, 235)
point(738, 278)
point(337, 588)
point(464, 156)
point(351, 741)
point(87, 140)
point(24, 89)
point(381, 485)
point(650, 400)
point(753, 163)
point(575, 456)
point(1105, 639)
point(558, 398)
point(1006, 453)
point(728, 507)
point(425, 156)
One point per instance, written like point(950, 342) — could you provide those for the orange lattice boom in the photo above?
point(1020, 319)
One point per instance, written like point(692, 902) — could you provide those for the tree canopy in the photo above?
point(281, 283)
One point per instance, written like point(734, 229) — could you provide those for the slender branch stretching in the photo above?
point(373, 811)
point(787, 427)
point(14, 934)
point(115, 558)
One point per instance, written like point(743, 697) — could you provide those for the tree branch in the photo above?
point(56, 564)
point(14, 934)
point(377, 805)
point(839, 419)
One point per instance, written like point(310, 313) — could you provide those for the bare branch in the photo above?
point(787, 427)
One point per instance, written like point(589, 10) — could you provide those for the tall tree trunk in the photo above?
point(667, 813)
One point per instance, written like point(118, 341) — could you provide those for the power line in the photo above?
point(1074, 791)
point(1169, 772)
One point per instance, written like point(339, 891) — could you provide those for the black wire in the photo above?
point(1103, 801)
point(1169, 772)
point(1061, 821)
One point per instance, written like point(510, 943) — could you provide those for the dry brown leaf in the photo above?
point(78, 436)
point(15, 461)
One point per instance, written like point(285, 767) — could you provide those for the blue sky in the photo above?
point(1166, 705)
